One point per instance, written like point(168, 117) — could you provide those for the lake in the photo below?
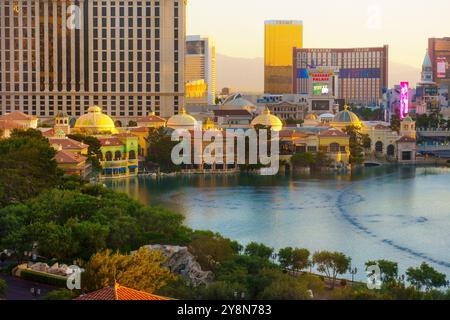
point(395, 213)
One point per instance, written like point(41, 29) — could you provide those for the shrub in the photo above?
point(3, 287)
point(62, 294)
point(45, 278)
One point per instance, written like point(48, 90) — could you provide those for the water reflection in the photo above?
point(398, 213)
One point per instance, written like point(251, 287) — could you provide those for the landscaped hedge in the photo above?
point(40, 277)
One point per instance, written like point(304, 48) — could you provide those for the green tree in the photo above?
point(322, 160)
point(140, 271)
point(285, 257)
point(426, 277)
point(94, 149)
point(258, 250)
point(282, 287)
point(160, 149)
point(305, 159)
point(132, 124)
point(395, 123)
point(27, 166)
point(300, 259)
point(389, 269)
point(211, 250)
point(358, 142)
point(62, 294)
point(3, 287)
point(221, 290)
point(331, 263)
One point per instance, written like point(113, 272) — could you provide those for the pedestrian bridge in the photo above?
point(433, 132)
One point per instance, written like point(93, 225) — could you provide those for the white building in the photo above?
point(127, 56)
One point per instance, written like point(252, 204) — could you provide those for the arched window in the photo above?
point(334, 148)
point(379, 147)
point(118, 155)
point(108, 156)
point(132, 155)
point(391, 150)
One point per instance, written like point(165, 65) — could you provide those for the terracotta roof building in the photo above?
point(120, 293)
point(73, 163)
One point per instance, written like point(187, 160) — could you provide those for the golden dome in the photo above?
point(311, 116)
point(346, 118)
point(95, 122)
point(268, 120)
point(182, 121)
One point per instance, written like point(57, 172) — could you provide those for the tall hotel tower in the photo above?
point(65, 55)
point(280, 37)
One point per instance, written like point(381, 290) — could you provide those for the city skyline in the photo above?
point(379, 23)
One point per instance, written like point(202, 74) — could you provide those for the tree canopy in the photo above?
point(140, 271)
point(27, 166)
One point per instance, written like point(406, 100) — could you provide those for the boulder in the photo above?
point(180, 261)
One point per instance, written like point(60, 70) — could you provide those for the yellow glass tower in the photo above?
point(281, 37)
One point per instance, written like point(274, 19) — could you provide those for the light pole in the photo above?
point(353, 272)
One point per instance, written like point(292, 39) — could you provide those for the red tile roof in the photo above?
point(236, 112)
point(16, 116)
point(8, 124)
point(67, 143)
point(110, 142)
point(150, 118)
point(118, 292)
point(48, 133)
point(139, 129)
point(125, 135)
point(65, 157)
point(381, 127)
point(332, 133)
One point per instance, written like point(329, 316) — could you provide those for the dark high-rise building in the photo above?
point(439, 51)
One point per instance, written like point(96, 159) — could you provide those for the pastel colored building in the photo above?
point(73, 163)
point(119, 155)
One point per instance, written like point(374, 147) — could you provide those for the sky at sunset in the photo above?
point(238, 25)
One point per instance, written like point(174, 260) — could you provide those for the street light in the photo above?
point(353, 272)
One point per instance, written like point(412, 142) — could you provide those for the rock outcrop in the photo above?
point(56, 269)
point(180, 261)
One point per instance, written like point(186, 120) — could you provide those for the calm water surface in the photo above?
point(396, 213)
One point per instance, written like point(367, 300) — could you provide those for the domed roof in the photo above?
point(311, 116)
point(236, 101)
point(326, 116)
point(346, 118)
point(268, 120)
point(95, 122)
point(408, 119)
point(182, 121)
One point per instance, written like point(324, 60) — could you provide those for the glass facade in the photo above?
point(281, 37)
point(68, 55)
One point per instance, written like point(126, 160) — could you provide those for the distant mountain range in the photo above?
point(247, 75)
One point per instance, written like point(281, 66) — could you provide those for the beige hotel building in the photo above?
point(66, 55)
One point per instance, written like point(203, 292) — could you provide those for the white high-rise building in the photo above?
point(66, 55)
point(200, 69)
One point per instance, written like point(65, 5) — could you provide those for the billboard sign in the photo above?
point(320, 89)
point(442, 65)
point(404, 99)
